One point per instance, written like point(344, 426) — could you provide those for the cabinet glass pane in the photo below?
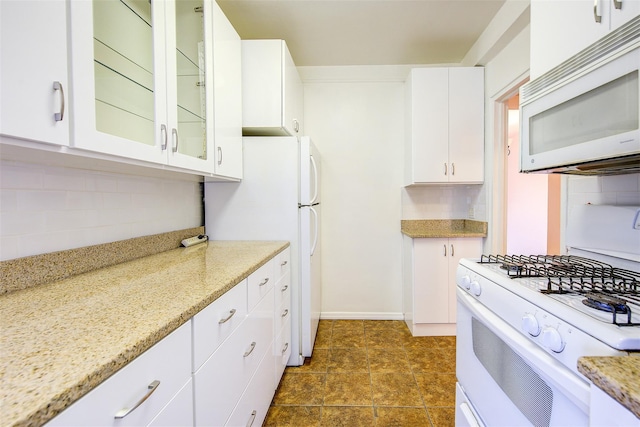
point(123, 62)
point(190, 60)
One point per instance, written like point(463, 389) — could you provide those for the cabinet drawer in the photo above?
point(282, 263)
point(282, 315)
point(217, 321)
point(167, 362)
point(219, 383)
point(254, 403)
point(259, 283)
point(282, 351)
point(282, 290)
point(175, 413)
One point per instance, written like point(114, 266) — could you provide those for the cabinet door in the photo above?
point(179, 411)
point(189, 103)
point(560, 29)
point(227, 80)
point(429, 129)
point(292, 96)
point(459, 248)
point(33, 57)
point(629, 9)
point(431, 279)
point(466, 124)
point(118, 68)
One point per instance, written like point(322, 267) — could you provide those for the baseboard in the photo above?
point(336, 315)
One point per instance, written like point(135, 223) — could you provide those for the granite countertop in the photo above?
point(419, 228)
point(616, 376)
point(60, 340)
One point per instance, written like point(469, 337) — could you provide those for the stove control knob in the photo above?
point(475, 288)
point(552, 339)
point(530, 325)
point(465, 282)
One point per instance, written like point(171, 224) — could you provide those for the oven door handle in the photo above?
point(571, 385)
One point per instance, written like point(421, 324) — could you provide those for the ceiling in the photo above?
point(365, 32)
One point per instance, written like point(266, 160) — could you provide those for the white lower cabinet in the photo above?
point(254, 404)
point(160, 374)
point(429, 276)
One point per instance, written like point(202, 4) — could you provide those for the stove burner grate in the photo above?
point(606, 288)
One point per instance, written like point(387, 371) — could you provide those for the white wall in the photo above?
point(355, 116)
point(47, 208)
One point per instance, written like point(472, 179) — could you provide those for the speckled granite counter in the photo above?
point(619, 377)
point(59, 340)
point(418, 228)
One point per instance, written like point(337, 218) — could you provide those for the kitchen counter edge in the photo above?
point(435, 228)
point(616, 376)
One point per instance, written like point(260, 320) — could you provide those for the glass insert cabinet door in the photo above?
point(140, 81)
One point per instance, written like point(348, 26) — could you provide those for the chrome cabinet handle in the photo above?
point(248, 352)
point(266, 279)
point(596, 17)
point(59, 116)
point(445, 168)
point(226, 319)
point(284, 288)
point(174, 137)
point(163, 135)
point(296, 126)
point(452, 253)
point(126, 411)
point(252, 418)
point(617, 4)
point(283, 263)
point(445, 250)
point(219, 156)
point(285, 312)
point(453, 168)
point(286, 346)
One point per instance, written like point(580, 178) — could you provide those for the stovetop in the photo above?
point(594, 288)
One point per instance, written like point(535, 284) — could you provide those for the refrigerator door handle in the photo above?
point(314, 167)
point(315, 236)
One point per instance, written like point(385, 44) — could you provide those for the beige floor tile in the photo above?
point(395, 390)
point(401, 417)
point(293, 416)
point(420, 342)
point(442, 417)
point(300, 389)
point(348, 360)
point(347, 338)
point(348, 325)
point(388, 360)
point(437, 389)
point(316, 363)
point(348, 389)
point(347, 416)
point(446, 342)
point(381, 338)
point(323, 339)
point(325, 325)
point(424, 360)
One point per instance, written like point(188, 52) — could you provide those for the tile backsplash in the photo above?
point(604, 190)
point(50, 208)
point(444, 202)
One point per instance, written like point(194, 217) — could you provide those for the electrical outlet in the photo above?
point(472, 212)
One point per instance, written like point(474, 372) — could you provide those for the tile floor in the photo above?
point(369, 373)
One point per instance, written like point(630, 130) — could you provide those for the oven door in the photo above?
point(506, 380)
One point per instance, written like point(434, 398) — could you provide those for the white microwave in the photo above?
point(583, 116)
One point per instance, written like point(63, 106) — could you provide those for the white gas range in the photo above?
point(523, 322)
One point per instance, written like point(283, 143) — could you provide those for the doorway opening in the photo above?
point(532, 201)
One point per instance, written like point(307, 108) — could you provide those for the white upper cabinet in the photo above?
point(140, 76)
point(227, 74)
point(272, 94)
point(445, 126)
point(33, 70)
point(560, 29)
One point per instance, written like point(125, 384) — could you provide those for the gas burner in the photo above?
point(606, 303)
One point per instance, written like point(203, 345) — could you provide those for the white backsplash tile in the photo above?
point(50, 208)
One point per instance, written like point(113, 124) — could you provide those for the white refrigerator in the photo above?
point(277, 199)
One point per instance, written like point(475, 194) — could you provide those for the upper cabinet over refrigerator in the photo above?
point(141, 72)
point(272, 99)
